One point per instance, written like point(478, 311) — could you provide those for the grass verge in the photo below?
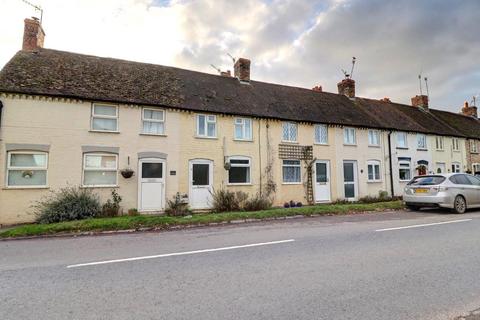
point(165, 222)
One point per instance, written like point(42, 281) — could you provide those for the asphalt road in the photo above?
point(313, 268)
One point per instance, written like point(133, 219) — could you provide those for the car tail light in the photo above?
point(439, 188)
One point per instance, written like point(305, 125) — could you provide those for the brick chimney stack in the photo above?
point(420, 101)
point(33, 35)
point(347, 87)
point(469, 110)
point(241, 69)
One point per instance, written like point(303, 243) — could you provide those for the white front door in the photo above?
point(151, 189)
point(350, 180)
point(201, 181)
point(322, 181)
point(441, 167)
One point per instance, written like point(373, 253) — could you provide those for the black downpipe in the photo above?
point(1, 109)
point(392, 190)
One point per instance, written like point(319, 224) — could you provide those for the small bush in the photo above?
point(66, 204)
point(257, 203)
point(133, 212)
point(112, 206)
point(177, 207)
point(224, 200)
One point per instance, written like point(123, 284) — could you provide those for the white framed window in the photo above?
point(439, 143)
point(291, 171)
point(104, 117)
point(243, 129)
point(455, 144)
point(206, 126)
point(26, 169)
point(373, 170)
point(289, 133)
point(475, 167)
point(373, 138)
point(473, 146)
point(321, 133)
point(456, 168)
point(402, 141)
point(404, 171)
point(349, 136)
point(239, 172)
point(153, 121)
point(100, 169)
point(421, 141)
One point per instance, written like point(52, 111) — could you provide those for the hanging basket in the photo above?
point(127, 173)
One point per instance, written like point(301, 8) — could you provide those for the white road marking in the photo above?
point(179, 253)
point(423, 225)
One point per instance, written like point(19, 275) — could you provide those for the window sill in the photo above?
point(374, 181)
point(402, 148)
point(243, 140)
point(153, 134)
point(350, 144)
point(440, 150)
point(103, 131)
point(290, 142)
point(292, 183)
point(374, 146)
point(320, 144)
point(26, 188)
point(207, 138)
point(456, 150)
point(422, 149)
point(103, 187)
point(239, 184)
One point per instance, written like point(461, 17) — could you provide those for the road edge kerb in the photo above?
point(165, 228)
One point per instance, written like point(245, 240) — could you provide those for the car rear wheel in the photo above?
point(413, 208)
point(459, 205)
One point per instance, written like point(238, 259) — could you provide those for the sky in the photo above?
point(301, 43)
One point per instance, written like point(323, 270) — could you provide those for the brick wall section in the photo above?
point(472, 157)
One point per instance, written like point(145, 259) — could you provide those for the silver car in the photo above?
point(456, 191)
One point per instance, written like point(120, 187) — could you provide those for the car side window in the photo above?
point(453, 179)
point(473, 180)
point(462, 179)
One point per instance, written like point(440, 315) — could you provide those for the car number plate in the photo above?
point(421, 190)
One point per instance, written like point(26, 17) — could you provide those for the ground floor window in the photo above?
point(455, 167)
point(27, 169)
point(373, 167)
point(476, 168)
point(239, 172)
point(100, 170)
point(291, 171)
point(404, 171)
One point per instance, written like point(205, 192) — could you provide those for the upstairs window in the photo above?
point(321, 134)
point(349, 136)
point(206, 126)
point(402, 140)
point(421, 141)
point(373, 138)
point(455, 144)
point(239, 172)
point(473, 146)
point(373, 167)
point(100, 170)
point(243, 129)
point(291, 171)
point(153, 121)
point(27, 169)
point(439, 143)
point(104, 117)
point(289, 132)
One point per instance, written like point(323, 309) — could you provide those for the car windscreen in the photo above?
point(426, 181)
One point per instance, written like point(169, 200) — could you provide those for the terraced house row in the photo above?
point(153, 131)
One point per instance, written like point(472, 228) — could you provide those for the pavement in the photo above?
point(394, 265)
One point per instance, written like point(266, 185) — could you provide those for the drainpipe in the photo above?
point(392, 190)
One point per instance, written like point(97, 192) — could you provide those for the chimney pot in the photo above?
point(420, 101)
point(33, 35)
point(469, 110)
point(347, 87)
point(317, 88)
point(242, 69)
point(386, 99)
